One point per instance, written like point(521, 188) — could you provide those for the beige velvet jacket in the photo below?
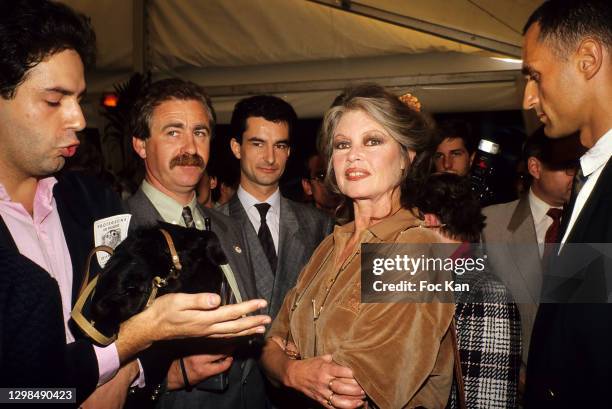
point(401, 353)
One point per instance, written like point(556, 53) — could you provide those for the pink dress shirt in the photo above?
point(40, 237)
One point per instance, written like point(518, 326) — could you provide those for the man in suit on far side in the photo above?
point(567, 59)
point(516, 232)
point(282, 234)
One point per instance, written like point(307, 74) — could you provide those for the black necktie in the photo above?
point(265, 237)
point(187, 217)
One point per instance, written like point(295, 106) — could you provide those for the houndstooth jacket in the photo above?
point(489, 338)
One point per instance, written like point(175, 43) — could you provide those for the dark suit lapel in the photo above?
point(230, 242)
point(237, 211)
point(76, 224)
point(525, 253)
point(142, 210)
point(580, 229)
point(264, 278)
point(291, 250)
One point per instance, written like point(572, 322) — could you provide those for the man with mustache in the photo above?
point(172, 126)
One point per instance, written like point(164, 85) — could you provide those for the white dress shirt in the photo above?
point(592, 164)
point(541, 221)
point(272, 217)
point(169, 209)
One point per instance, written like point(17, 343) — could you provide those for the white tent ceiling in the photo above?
point(306, 51)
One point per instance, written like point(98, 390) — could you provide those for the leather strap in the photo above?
point(85, 283)
point(173, 253)
point(87, 288)
point(158, 282)
point(175, 271)
point(457, 367)
point(188, 387)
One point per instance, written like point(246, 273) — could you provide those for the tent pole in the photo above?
point(140, 36)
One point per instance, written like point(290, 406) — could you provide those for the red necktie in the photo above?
point(552, 234)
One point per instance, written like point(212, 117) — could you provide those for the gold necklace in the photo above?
point(316, 314)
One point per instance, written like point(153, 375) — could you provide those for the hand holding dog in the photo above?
point(175, 316)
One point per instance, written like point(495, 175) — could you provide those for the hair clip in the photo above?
point(411, 101)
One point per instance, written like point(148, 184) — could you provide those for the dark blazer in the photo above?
point(302, 228)
point(570, 360)
point(512, 250)
point(246, 388)
point(81, 200)
point(32, 337)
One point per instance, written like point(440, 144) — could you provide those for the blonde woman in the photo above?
point(395, 355)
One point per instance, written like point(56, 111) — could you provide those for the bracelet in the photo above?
point(185, 378)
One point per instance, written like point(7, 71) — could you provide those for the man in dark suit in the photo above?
point(172, 126)
point(282, 234)
point(49, 217)
point(516, 232)
point(567, 58)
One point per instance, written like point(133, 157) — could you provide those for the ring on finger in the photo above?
point(329, 400)
point(329, 385)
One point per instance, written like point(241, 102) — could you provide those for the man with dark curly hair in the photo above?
point(49, 217)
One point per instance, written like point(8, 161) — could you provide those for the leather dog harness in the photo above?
point(88, 287)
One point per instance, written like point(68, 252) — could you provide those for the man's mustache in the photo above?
point(187, 159)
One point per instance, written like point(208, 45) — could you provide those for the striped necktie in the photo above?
point(187, 217)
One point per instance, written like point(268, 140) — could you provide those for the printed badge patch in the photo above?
point(110, 232)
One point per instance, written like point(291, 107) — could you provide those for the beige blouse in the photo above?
point(400, 353)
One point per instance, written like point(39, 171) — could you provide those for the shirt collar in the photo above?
point(401, 220)
point(539, 208)
point(248, 200)
point(598, 155)
point(44, 190)
point(169, 209)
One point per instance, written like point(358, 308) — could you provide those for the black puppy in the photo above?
point(125, 283)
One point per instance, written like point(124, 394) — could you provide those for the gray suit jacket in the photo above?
point(246, 387)
point(512, 250)
point(302, 228)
